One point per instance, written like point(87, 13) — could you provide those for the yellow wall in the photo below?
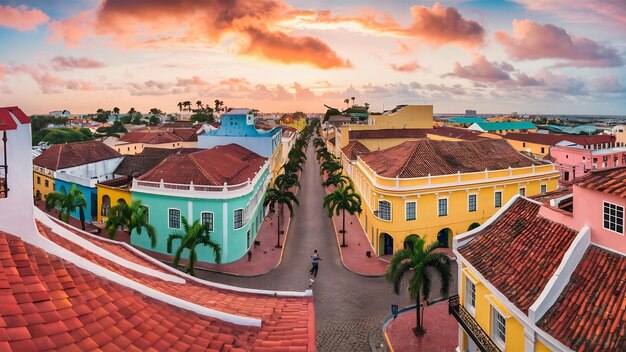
point(410, 116)
point(136, 148)
point(39, 182)
point(540, 347)
point(428, 223)
point(530, 147)
point(298, 124)
point(483, 308)
point(115, 194)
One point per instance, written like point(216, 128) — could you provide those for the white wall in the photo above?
point(100, 170)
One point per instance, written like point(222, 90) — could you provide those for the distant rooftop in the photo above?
point(506, 126)
point(466, 120)
point(553, 139)
point(63, 156)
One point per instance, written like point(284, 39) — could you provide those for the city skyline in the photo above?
point(275, 55)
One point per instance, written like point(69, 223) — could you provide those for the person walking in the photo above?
point(315, 258)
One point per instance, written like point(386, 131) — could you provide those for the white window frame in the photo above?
point(447, 206)
point(604, 204)
point(406, 217)
point(520, 190)
point(234, 218)
point(475, 202)
point(495, 336)
point(168, 219)
point(212, 227)
point(494, 199)
point(390, 210)
point(543, 188)
point(471, 307)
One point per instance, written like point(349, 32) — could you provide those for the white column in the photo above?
point(225, 227)
point(190, 211)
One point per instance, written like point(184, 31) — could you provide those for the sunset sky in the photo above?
point(529, 56)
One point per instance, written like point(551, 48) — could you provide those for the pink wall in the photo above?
point(588, 211)
point(577, 161)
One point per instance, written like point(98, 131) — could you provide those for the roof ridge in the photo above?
point(202, 171)
point(57, 164)
point(410, 158)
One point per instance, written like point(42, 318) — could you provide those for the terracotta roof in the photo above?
point(139, 164)
point(611, 181)
point(590, 313)
point(354, 149)
point(122, 181)
point(424, 157)
point(51, 304)
point(63, 156)
point(548, 196)
point(390, 133)
point(159, 137)
point(519, 252)
point(231, 164)
point(458, 133)
point(553, 139)
point(152, 151)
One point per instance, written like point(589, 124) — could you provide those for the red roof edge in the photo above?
point(6, 121)
point(311, 345)
point(21, 116)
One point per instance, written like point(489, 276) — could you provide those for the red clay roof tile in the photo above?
point(354, 149)
point(611, 181)
point(590, 313)
point(429, 157)
point(553, 139)
point(519, 252)
point(389, 133)
point(62, 156)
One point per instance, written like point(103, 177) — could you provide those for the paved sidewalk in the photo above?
point(442, 333)
point(353, 256)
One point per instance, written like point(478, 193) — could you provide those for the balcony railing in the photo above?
point(471, 326)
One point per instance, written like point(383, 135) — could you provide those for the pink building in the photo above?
point(575, 161)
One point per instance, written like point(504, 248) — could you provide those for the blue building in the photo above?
point(82, 164)
point(237, 127)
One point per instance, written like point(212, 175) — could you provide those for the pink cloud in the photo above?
point(3, 72)
point(606, 84)
point(72, 31)
point(482, 70)
point(62, 63)
point(21, 17)
point(50, 83)
point(411, 66)
point(533, 41)
point(303, 93)
point(601, 12)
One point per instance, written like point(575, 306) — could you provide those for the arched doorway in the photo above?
point(444, 237)
point(473, 226)
point(386, 244)
point(106, 204)
point(121, 201)
point(408, 243)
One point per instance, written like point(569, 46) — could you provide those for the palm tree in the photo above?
point(287, 180)
point(330, 166)
point(417, 258)
point(180, 106)
point(194, 235)
point(336, 179)
point(352, 100)
point(344, 198)
point(116, 110)
point(187, 103)
point(292, 167)
point(128, 218)
point(276, 195)
point(297, 156)
point(199, 104)
point(67, 203)
point(367, 106)
point(347, 101)
point(322, 153)
point(319, 143)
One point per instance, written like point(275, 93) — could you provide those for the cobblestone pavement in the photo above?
point(349, 308)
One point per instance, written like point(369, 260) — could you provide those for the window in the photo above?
point(605, 161)
point(470, 295)
point(384, 210)
point(46, 183)
point(238, 219)
point(497, 199)
point(443, 207)
point(615, 160)
point(410, 211)
point(207, 218)
point(566, 175)
point(522, 192)
point(38, 180)
point(614, 217)
point(524, 144)
point(174, 219)
point(543, 150)
point(498, 328)
point(544, 188)
point(594, 164)
point(471, 202)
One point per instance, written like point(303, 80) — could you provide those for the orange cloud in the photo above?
point(145, 23)
point(21, 17)
point(62, 63)
point(407, 67)
point(3, 72)
point(482, 70)
point(72, 31)
point(48, 82)
point(533, 41)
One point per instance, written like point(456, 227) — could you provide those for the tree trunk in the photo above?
point(344, 228)
point(418, 330)
point(278, 226)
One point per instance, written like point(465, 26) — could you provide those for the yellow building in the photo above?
point(438, 189)
point(43, 180)
point(533, 278)
point(111, 193)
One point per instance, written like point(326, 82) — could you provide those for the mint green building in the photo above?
point(222, 186)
